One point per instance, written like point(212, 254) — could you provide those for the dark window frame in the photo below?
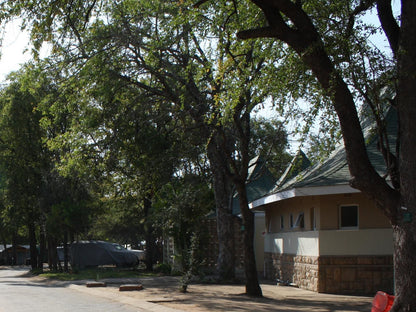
point(349, 217)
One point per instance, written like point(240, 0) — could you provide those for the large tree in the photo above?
point(172, 66)
point(54, 208)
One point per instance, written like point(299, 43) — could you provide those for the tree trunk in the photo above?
point(252, 282)
point(5, 252)
point(225, 228)
point(66, 252)
point(150, 239)
point(33, 243)
point(42, 247)
point(405, 229)
point(14, 251)
point(404, 267)
point(52, 261)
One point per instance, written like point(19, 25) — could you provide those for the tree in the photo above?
point(22, 156)
point(319, 37)
point(269, 139)
point(182, 206)
point(169, 65)
point(164, 53)
point(52, 207)
point(134, 143)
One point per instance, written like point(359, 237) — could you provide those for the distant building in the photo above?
point(22, 255)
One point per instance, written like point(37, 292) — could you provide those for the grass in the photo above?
point(96, 274)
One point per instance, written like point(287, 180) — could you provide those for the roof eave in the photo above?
point(302, 191)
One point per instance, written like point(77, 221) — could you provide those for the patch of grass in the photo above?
point(96, 274)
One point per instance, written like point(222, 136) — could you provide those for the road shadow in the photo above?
point(22, 276)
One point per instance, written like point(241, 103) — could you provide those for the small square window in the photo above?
point(349, 217)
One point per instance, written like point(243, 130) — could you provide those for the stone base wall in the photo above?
point(300, 270)
point(362, 275)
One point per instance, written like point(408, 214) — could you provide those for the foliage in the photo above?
point(268, 138)
point(163, 268)
point(145, 91)
point(181, 207)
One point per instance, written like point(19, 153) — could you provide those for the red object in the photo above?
point(382, 302)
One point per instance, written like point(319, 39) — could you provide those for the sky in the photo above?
point(13, 54)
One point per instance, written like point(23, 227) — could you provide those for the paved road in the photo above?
point(20, 294)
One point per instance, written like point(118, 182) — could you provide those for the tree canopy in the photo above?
point(144, 93)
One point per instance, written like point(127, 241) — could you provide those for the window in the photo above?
point(291, 220)
point(269, 229)
point(348, 217)
point(312, 219)
point(282, 222)
point(300, 221)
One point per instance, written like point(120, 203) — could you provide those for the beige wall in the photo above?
point(369, 217)
point(293, 206)
point(326, 212)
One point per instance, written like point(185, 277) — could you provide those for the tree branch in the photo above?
point(88, 14)
point(389, 24)
point(363, 6)
point(199, 3)
point(305, 39)
point(264, 32)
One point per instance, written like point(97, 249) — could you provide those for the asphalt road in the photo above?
point(20, 294)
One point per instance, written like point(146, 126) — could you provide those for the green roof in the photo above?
point(334, 170)
point(259, 182)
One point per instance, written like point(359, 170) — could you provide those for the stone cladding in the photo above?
point(358, 275)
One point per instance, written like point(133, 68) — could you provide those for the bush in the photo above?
point(163, 268)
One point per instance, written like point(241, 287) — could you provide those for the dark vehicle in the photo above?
point(96, 253)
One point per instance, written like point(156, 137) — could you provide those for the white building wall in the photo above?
point(331, 243)
point(365, 242)
point(295, 243)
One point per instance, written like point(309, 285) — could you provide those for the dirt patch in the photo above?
point(210, 297)
point(163, 293)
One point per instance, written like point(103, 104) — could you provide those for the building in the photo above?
point(22, 253)
point(323, 235)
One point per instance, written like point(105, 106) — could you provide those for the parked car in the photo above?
point(95, 253)
point(141, 254)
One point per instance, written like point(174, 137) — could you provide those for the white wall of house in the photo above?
point(364, 242)
point(296, 243)
point(331, 243)
point(259, 230)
